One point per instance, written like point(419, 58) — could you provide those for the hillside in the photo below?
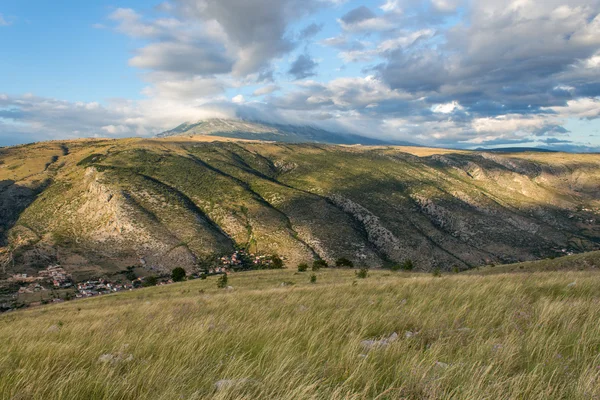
point(96, 206)
point(577, 262)
point(390, 336)
point(254, 130)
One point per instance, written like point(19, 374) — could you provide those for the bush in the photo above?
point(408, 265)
point(362, 273)
point(277, 262)
point(313, 278)
point(405, 266)
point(129, 274)
point(437, 272)
point(302, 267)
point(455, 269)
point(318, 264)
point(222, 281)
point(178, 274)
point(344, 262)
point(150, 281)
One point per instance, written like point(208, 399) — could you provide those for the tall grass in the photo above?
point(467, 337)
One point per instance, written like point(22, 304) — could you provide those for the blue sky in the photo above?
point(437, 72)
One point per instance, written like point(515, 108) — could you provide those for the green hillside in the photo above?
point(96, 206)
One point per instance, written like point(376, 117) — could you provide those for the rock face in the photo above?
point(163, 203)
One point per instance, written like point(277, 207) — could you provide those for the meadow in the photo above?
point(276, 335)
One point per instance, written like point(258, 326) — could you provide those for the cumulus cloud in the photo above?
point(438, 72)
point(363, 19)
point(303, 67)
point(310, 31)
point(266, 90)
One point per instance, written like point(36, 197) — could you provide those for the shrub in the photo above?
point(344, 262)
point(150, 281)
point(313, 278)
point(302, 267)
point(277, 262)
point(408, 265)
point(455, 269)
point(129, 274)
point(437, 272)
point(318, 264)
point(362, 273)
point(222, 281)
point(178, 274)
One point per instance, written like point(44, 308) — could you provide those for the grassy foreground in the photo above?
point(507, 336)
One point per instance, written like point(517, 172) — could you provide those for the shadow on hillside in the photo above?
point(14, 199)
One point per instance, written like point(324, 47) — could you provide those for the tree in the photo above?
point(302, 267)
point(344, 262)
point(150, 281)
point(362, 273)
point(222, 282)
point(178, 274)
point(277, 262)
point(318, 264)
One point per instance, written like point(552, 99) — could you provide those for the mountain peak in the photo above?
point(260, 130)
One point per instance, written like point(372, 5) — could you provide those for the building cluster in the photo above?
point(32, 288)
point(241, 259)
point(99, 287)
point(58, 276)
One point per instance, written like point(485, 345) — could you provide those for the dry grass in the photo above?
point(470, 337)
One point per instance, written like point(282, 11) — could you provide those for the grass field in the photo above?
point(501, 336)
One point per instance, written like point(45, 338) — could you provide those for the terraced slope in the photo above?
point(96, 205)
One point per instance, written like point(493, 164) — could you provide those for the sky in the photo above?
point(448, 73)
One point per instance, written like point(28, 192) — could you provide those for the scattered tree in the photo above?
point(276, 262)
point(318, 264)
point(222, 281)
point(408, 265)
point(150, 281)
point(178, 274)
point(344, 262)
point(362, 273)
point(302, 267)
point(129, 273)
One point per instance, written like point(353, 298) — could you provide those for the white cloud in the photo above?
point(447, 108)
point(239, 99)
point(266, 90)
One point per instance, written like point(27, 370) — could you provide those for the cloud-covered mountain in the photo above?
point(256, 130)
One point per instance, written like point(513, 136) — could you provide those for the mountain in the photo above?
point(96, 206)
point(517, 150)
point(241, 129)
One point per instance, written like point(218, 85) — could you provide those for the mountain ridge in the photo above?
point(96, 206)
point(260, 130)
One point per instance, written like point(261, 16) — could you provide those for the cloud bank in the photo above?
point(440, 72)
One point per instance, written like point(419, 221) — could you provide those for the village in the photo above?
point(54, 284)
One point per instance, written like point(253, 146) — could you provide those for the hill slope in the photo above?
point(100, 205)
point(390, 336)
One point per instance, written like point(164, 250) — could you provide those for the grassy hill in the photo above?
point(275, 335)
point(579, 262)
point(96, 206)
